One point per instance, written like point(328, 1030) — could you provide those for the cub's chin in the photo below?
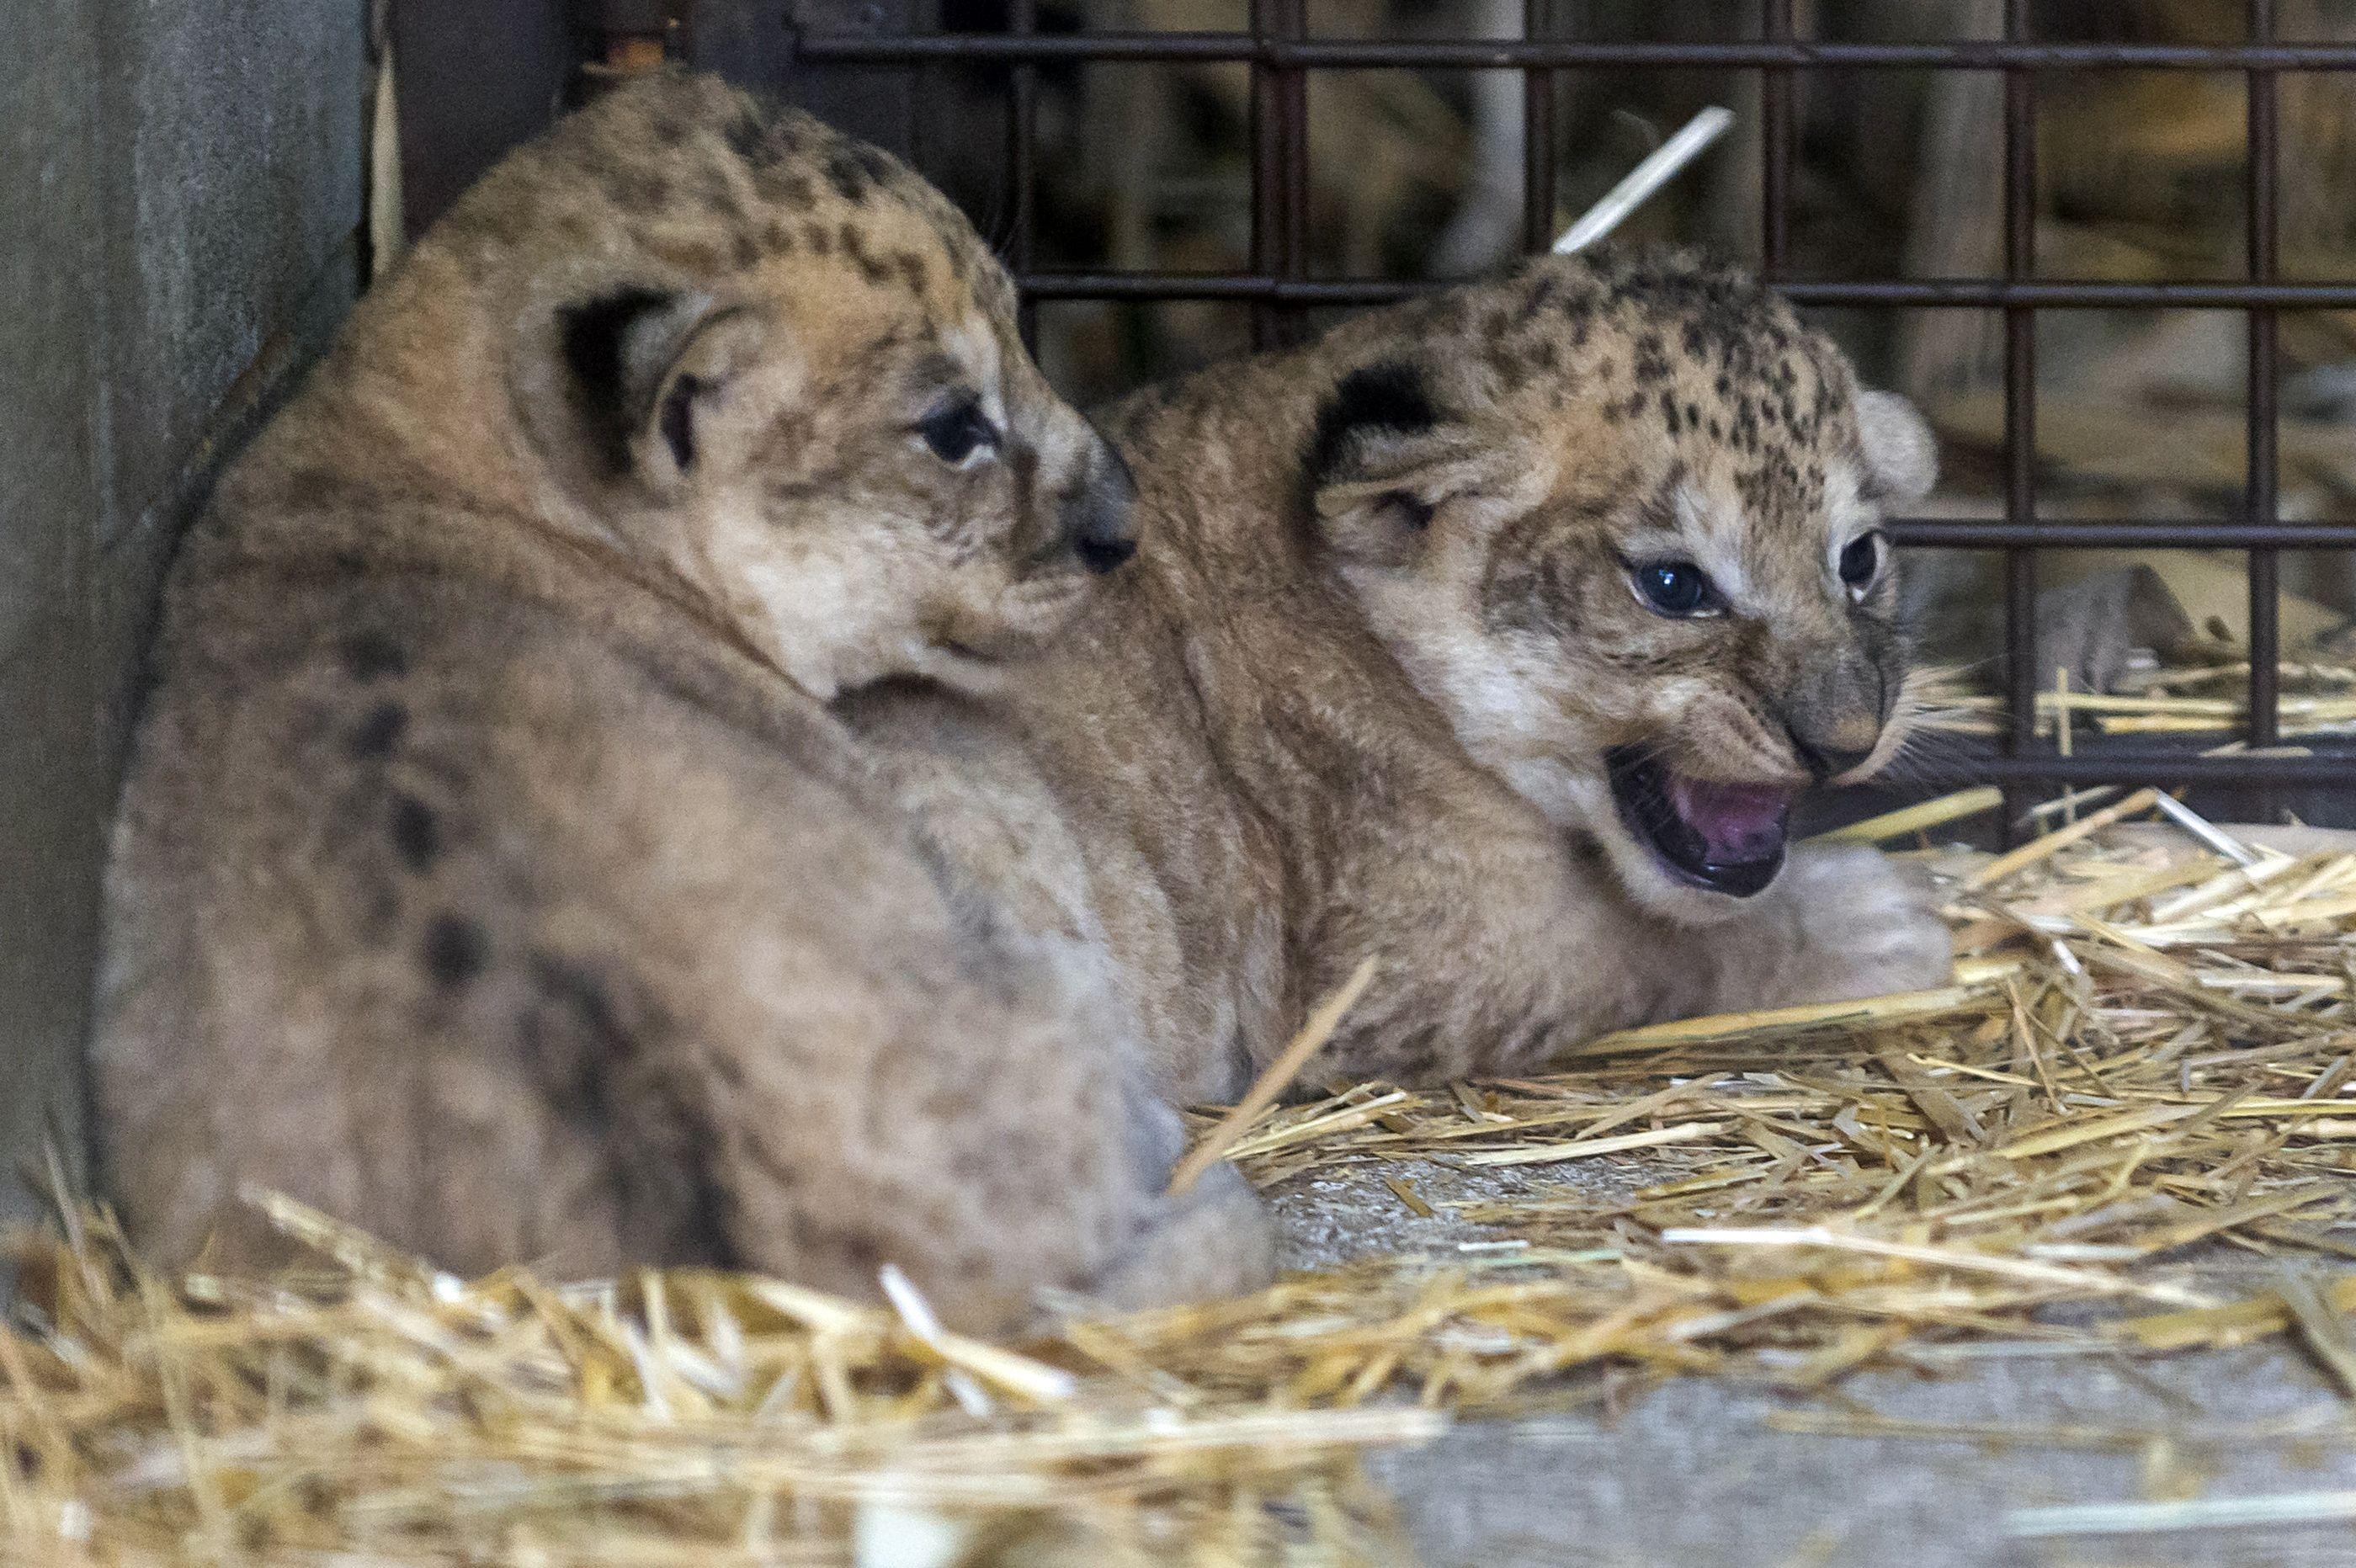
point(979, 645)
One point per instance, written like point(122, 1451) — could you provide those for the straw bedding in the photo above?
point(2184, 699)
point(2145, 1056)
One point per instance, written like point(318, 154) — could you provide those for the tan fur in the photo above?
point(492, 870)
point(1364, 709)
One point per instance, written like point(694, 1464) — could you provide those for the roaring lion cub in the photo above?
point(1494, 635)
point(493, 870)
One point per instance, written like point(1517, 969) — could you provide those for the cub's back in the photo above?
point(456, 855)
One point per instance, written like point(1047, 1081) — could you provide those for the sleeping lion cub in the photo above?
point(493, 872)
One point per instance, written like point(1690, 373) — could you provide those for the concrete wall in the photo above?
point(180, 214)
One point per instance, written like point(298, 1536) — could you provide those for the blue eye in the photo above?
point(1678, 588)
point(956, 430)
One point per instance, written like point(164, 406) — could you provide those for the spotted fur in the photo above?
point(1357, 699)
point(495, 869)
point(1615, 413)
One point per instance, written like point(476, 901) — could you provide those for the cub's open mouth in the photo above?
point(1724, 836)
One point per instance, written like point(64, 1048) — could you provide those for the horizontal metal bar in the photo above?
point(1505, 54)
point(1252, 288)
point(2121, 533)
point(2088, 293)
point(1973, 293)
point(2142, 765)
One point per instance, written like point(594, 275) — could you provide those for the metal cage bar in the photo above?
point(1022, 172)
point(1281, 53)
point(1776, 147)
point(1278, 51)
point(2259, 153)
point(1538, 85)
point(1963, 293)
point(2020, 405)
point(1279, 161)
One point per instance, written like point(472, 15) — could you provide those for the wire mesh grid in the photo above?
point(1280, 54)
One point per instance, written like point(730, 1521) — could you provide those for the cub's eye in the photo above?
point(1860, 560)
point(957, 430)
point(1676, 588)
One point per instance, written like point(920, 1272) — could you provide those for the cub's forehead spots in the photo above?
point(710, 181)
point(857, 171)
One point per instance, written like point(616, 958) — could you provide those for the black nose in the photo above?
point(1100, 514)
point(1837, 708)
point(1826, 760)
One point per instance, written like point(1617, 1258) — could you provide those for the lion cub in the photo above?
point(1494, 635)
point(492, 871)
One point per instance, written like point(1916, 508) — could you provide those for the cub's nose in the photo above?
point(1835, 710)
point(1100, 513)
point(1829, 745)
point(1826, 760)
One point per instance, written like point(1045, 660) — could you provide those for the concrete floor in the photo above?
point(1693, 1475)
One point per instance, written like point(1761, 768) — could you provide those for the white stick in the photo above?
point(1644, 179)
point(2200, 828)
point(2197, 1513)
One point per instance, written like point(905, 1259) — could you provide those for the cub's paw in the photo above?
point(1856, 923)
point(1214, 1239)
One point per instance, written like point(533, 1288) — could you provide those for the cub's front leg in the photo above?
point(1510, 954)
point(1842, 921)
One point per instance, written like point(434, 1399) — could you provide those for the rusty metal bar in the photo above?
point(1291, 18)
point(1971, 293)
point(2122, 533)
point(2019, 403)
point(2147, 765)
point(625, 36)
point(2265, 599)
point(1537, 135)
point(1274, 52)
point(1022, 173)
point(1775, 146)
point(1276, 123)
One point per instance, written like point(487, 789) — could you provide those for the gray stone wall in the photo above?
point(180, 227)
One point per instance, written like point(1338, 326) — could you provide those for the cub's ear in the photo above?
point(1901, 459)
point(1381, 459)
point(651, 373)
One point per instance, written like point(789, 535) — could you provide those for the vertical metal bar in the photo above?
point(1292, 143)
point(1537, 136)
point(1775, 146)
point(1022, 135)
point(2019, 400)
point(1267, 172)
point(1279, 162)
point(2265, 643)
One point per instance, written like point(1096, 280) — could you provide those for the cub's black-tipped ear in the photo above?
point(1384, 401)
point(1381, 458)
point(606, 343)
point(646, 370)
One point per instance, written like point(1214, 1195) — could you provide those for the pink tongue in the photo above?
point(1739, 823)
